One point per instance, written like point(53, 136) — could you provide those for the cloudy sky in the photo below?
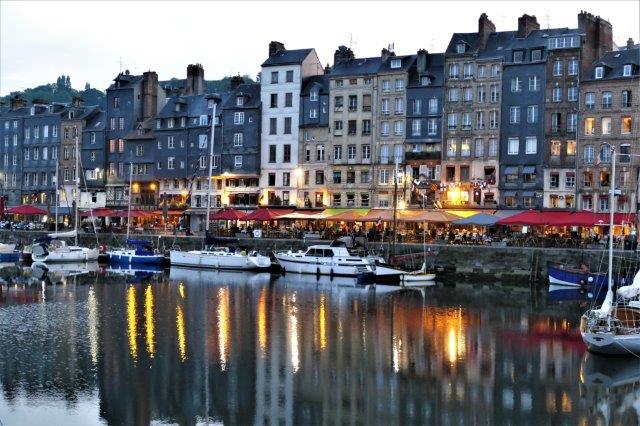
point(90, 40)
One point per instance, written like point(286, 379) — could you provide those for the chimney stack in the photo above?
point(385, 54)
point(235, 81)
point(77, 102)
point(17, 101)
point(485, 28)
point(526, 24)
point(597, 38)
point(422, 61)
point(342, 54)
point(195, 79)
point(275, 47)
point(630, 43)
point(149, 94)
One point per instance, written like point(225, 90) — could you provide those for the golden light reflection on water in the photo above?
point(223, 326)
point(182, 340)
point(323, 321)
point(93, 325)
point(132, 327)
point(396, 352)
point(293, 335)
point(447, 326)
point(262, 322)
point(149, 322)
point(181, 290)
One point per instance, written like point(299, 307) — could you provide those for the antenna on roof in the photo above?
point(353, 41)
point(546, 18)
point(120, 63)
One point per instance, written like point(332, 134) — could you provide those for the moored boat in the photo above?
point(8, 253)
point(560, 274)
point(54, 249)
point(220, 258)
point(138, 252)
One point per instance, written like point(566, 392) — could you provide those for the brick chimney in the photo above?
point(275, 47)
point(485, 28)
point(195, 79)
point(17, 101)
point(526, 24)
point(422, 60)
point(630, 43)
point(77, 102)
point(235, 81)
point(342, 54)
point(149, 94)
point(597, 36)
point(385, 54)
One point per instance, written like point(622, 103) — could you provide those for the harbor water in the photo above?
point(196, 347)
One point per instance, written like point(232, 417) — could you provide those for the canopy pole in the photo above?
point(612, 199)
point(213, 136)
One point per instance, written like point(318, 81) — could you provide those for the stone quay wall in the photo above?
point(514, 266)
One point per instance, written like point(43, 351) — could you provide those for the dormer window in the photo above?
point(313, 95)
point(239, 100)
point(204, 120)
point(626, 70)
point(425, 81)
point(461, 48)
point(396, 63)
point(170, 123)
point(599, 72)
point(177, 107)
point(158, 123)
point(70, 115)
point(210, 103)
point(183, 121)
point(518, 56)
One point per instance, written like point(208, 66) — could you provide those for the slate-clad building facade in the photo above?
point(93, 160)
point(11, 141)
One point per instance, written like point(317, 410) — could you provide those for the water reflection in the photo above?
point(240, 348)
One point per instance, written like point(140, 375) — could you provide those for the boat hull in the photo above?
point(213, 260)
point(612, 344)
point(13, 256)
point(324, 266)
point(74, 254)
point(559, 275)
point(129, 257)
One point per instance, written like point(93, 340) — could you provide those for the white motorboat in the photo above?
point(53, 249)
point(326, 259)
point(220, 258)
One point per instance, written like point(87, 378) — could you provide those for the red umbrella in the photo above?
point(134, 213)
point(26, 209)
point(99, 212)
point(267, 214)
point(228, 214)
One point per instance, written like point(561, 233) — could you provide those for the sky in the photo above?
point(93, 41)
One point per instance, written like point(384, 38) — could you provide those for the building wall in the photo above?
point(11, 142)
point(70, 128)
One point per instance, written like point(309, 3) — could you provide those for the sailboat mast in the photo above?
point(612, 199)
point(130, 195)
point(77, 197)
point(213, 127)
point(57, 199)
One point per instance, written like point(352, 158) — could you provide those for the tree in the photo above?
point(87, 86)
point(68, 83)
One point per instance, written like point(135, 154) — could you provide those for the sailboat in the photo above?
point(135, 251)
point(218, 257)
point(614, 327)
point(53, 247)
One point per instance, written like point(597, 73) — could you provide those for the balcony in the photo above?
point(433, 155)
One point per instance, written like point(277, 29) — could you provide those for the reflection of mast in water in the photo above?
point(223, 325)
point(93, 324)
point(149, 321)
point(132, 328)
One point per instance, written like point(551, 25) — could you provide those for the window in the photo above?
point(319, 152)
point(237, 139)
point(626, 125)
point(319, 177)
point(366, 127)
point(531, 145)
point(625, 150)
point(588, 154)
point(606, 125)
point(555, 148)
point(626, 99)
point(384, 154)
point(290, 76)
point(366, 152)
point(366, 102)
point(398, 127)
point(238, 117)
point(337, 152)
point(493, 147)
point(532, 114)
point(570, 180)
point(571, 147)
point(528, 175)
point(605, 153)
point(272, 153)
point(495, 93)
point(572, 94)
point(399, 85)
point(384, 177)
point(557, 68)
point(452, 121)
point(603, 202)
point(120, 145)
point(112, 126)
point(516, 84)
point(396, 63)
point(417, 106)
point(495, 70)
point(273, 102)
point(351, 152)
point(461, 47)
point(425, 80)
point(513, 146)
point(237, 161)
point(271, 179)
point(399, 106)
point(432, 126)
point(466, 121)
point(171, 163)
point(572, 122)
point(573, 67)
point(589, 126)
point(493, 119)
point(454, 95)
point(337, 176)
point(313, 113)
point(556, 94)
point(518, 56)
point(386, 85)
point(273, 126)
point(433, 106)
point(454, 71)
point(481, 94)
point(416, 127)
point(590, 100)
point(626, 70)
point(467, 70)
point(274, 77)
point(514, 115)
point(287, 125)
point(171, 143)
point(337, 128)
point(599, 73)
point(468, 94)
point(385, 107)
point(139, 151)
point(607, 99)
point(479, 148)
point(353, 102)
point(288, 99)
point(384, 128)
point(452, 147)
point(536, 55)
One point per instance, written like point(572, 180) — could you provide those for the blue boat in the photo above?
point(560, 274)
point(140, 253)
point(8, 253)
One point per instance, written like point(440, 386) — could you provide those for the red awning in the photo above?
point(532, 217)
point(98, 212)
point(134, 213)
point(26, 209)
point(228, 214)
point(587, 218)
point(267, 214)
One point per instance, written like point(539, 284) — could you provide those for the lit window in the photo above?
point(599, 72)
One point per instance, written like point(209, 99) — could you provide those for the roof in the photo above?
point(406, 62)
point(435, 70)
point(96, 122)
point(614, 62)
point(317, 81)
point(147, 129)
point(251, 93)
point(356, 66)
point(126, 80)
point(285, 57)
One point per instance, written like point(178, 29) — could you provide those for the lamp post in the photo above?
point(296, 174)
